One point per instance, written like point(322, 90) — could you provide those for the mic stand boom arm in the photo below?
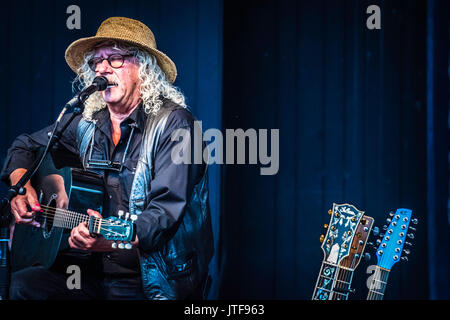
point(19, 187)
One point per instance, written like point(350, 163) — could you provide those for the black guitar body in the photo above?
point(32, 246)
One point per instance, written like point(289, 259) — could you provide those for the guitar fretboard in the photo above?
point(378, 284)
point(333, 283)
point(68, 219)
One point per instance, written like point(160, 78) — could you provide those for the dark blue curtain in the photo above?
point(362, 114)
point(351, 106)
point(438, 148)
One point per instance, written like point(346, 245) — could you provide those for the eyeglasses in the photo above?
point(115, 60)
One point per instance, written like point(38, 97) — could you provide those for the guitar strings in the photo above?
point(341, 283)
point(373, 293)
point(51, 213)
point(72, 216)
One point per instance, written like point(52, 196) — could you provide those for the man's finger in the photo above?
point(93, 213)
point(77, 239)
point(84, 231)
point(20, 210)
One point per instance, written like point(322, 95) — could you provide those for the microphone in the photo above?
point(99, 83)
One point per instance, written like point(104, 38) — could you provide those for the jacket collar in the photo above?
point(138, 117)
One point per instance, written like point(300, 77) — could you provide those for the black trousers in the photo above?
point(56, 283)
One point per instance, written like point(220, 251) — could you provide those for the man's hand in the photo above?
point(81, 239)
point(55, 185)
point(19, 203)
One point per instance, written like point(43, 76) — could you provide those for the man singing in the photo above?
point(130, 124)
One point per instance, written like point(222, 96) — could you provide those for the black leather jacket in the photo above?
point(175, 267)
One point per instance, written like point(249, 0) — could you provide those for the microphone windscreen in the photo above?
point(101, 82)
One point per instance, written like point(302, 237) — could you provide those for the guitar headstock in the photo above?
point(392, 242)
point(358, 244)
point(341, 230)
point(119, 229)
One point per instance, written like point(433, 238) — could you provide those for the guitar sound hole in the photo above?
point(49, 217)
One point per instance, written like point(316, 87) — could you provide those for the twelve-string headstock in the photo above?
point(391, 243)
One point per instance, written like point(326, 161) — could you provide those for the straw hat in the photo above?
point(124, 29)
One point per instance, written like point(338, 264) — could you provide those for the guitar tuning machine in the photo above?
point(375, 231)
point(120, 213)
point(133, 217)
point(121, 245)
point(415, 221)
point(114, 245)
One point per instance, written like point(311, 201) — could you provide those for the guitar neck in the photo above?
point(333, 283)
point(378, 284)
point(342, 284)
point(69, 219)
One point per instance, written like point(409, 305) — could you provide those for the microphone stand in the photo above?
point(19, 189)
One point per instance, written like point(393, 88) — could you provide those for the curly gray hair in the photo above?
point(154, 84)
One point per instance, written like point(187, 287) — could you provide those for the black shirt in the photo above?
point(171, 187)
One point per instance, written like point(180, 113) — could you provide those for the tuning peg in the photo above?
point(388, 220)
point(370, 244)
point(378, 241)
point(385, 227)
point(114, 245)
point(325, 226)
point(406, 251)
point(408, 243)
point(415, 221)
point(330, 212)
point(322, 237)
point(410, 235)
point(381, 235)
point(366, 256)
point(404, 258)
point(391, 213)
point(121, 245)
point(128, 246)
point(412, 229)
point(133, 217)
point(375, 231)
point(120, 213)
